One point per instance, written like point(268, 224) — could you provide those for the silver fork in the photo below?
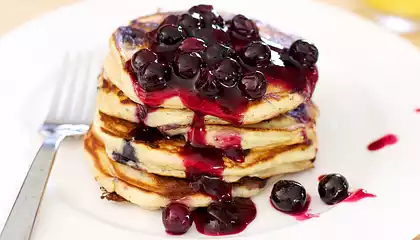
point(72, 106)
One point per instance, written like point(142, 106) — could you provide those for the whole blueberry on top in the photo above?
point(154, 76)
point(253, 85)
point(333, 188)
point(288, 196)
point(228, 72)
point(243, 26)
point(170, 20)
point(212, 36)
point(192, 44)
point(257, 54)
point(187, 65)
point(170, 34)
point(141, 58)
point(304, 53)
point(208, 85)
point(189, 23)
point(207, 15)
point(216, 53)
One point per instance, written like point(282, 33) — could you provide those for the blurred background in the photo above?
point(399, 16)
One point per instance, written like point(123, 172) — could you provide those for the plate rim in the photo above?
point(75, 6)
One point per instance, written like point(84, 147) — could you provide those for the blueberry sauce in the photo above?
point(213, 186)
point(358, 195)
point(197, 133)
point(321, 177)
point(216, 68)
point(204, 165)
point(230, 143)
point(306, 139)
point(231, 101)
point(202, 161)
point(298, 80)
point(225, 218)
point(236, 154)
point(384, 141)
point(302, 215)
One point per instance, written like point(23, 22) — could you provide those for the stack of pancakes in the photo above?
point(148, 155)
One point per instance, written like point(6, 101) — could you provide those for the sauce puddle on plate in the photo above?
point(389, 139)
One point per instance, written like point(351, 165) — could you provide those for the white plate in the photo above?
point(369, 84)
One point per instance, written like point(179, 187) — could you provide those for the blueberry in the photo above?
point(130, 36)
point(154, 76)
point(333, 188)
point(216, 53)
point(225, 214)
point(170, 34)
point(208, 85)
point(253, 85)
point(224, 218)
point(213, 186)
point(192, 44)
point(187, 65)
point(189, 23)
point(256, 54)
point(207, 15)
point(141, 58)
point(128, 154)
point(243, 26)
point(228, 72)
point(171, 20)
point(176, 218)
point(304, 53)
point(212, 36)
point(288, 196)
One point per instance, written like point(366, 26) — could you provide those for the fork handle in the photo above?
point(21, 219)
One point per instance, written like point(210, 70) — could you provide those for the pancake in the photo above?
point(221, 136)
point(113, 102)
point(200, 111)
point(279, 98)
point(166, 157)
point(286, 129)
point(151, 191)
